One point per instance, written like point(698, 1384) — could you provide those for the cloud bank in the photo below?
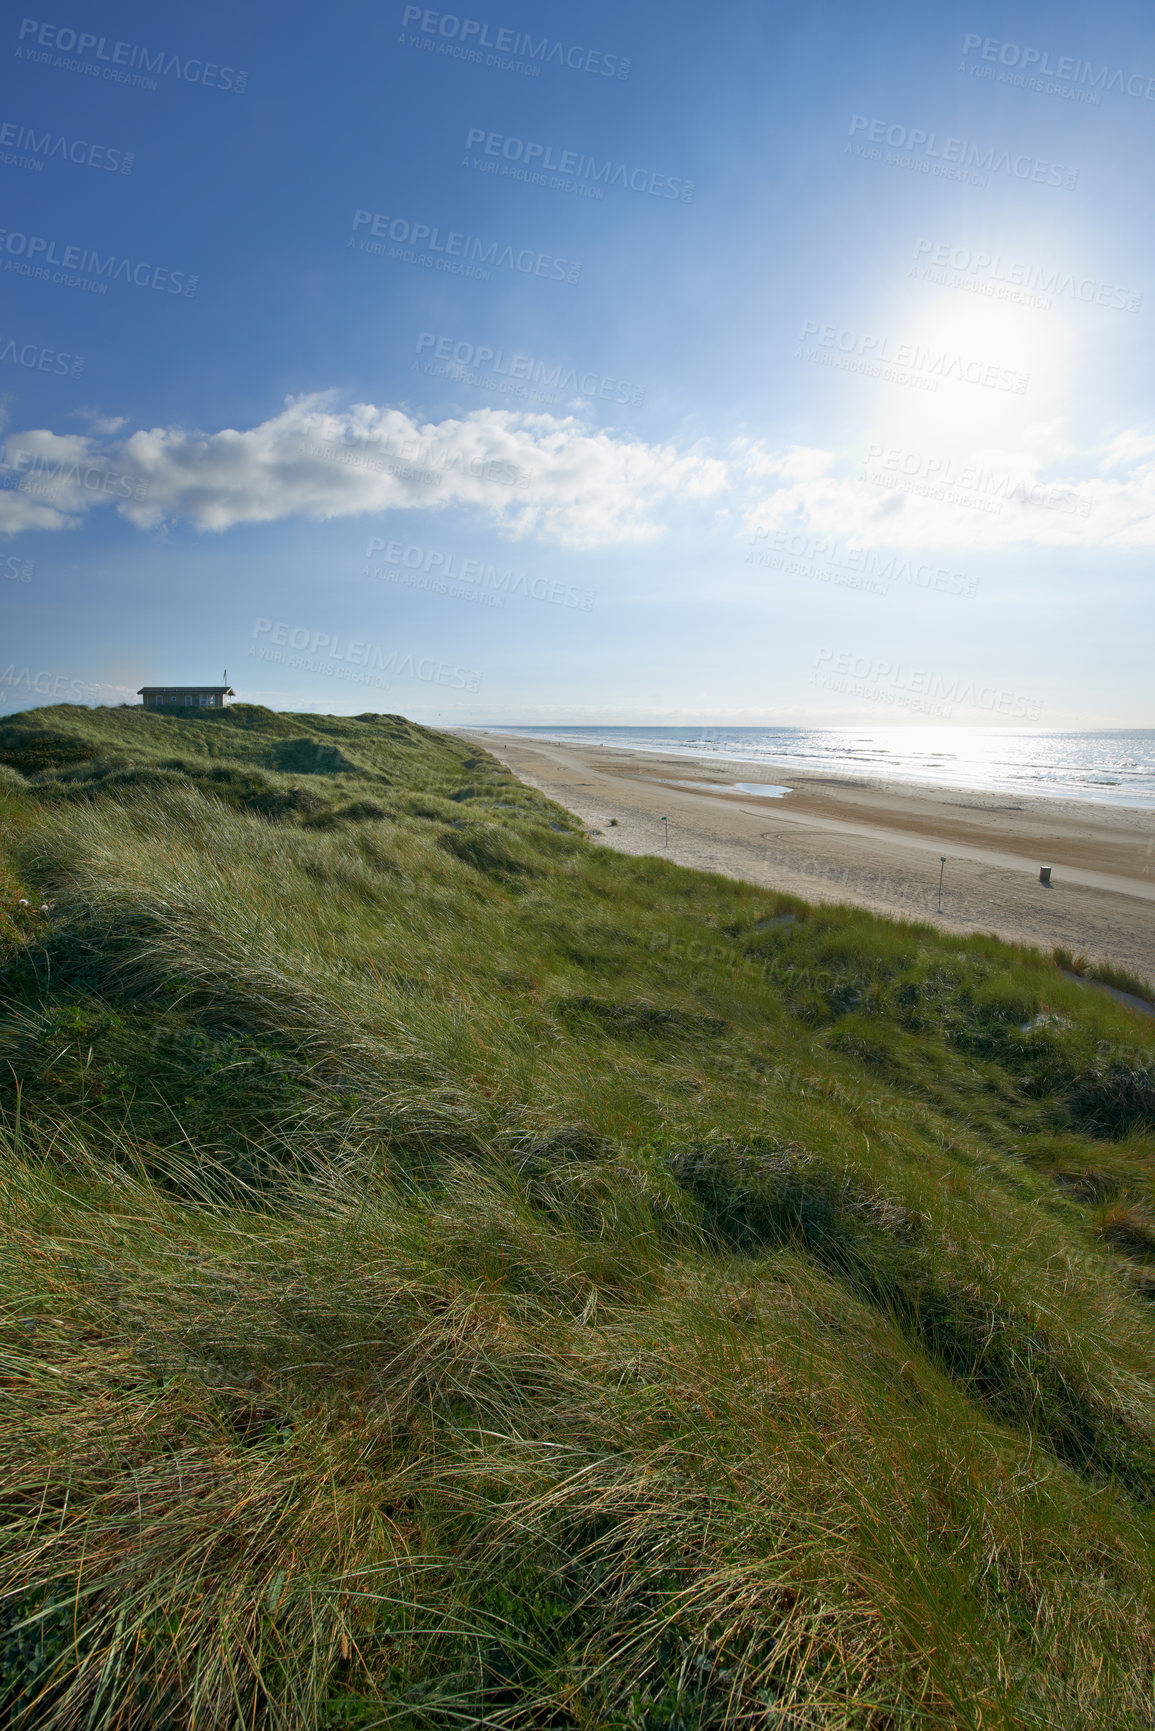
point(531, 474)
point(553, 478)
point(903, 497)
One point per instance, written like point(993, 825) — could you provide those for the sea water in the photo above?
point(1116, 767)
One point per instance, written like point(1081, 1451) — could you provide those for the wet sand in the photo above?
point(875, 845)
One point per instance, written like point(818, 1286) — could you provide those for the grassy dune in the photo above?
point(454, 1275)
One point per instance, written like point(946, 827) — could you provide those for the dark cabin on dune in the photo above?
point(185, 696)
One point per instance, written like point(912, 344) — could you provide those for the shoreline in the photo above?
point(835, 774)
point(870, 843)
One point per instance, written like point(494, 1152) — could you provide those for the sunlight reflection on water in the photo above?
point(1115, 768)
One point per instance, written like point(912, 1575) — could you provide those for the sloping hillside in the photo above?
point(456, 1275)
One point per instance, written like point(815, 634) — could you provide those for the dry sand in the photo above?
point(872, 844)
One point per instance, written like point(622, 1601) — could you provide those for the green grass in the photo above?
point(455, 1275)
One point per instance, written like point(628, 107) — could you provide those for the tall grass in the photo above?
point(456, 1276)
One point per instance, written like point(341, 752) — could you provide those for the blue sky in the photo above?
point(546, 363)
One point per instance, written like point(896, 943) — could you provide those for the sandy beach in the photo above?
point(875, 845)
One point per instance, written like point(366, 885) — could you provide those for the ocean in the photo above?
point(1109, 768)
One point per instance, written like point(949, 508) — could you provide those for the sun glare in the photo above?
point(996, 369)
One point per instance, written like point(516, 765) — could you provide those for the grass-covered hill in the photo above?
point(457, 1275)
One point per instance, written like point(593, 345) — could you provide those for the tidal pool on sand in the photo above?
point(767, 789)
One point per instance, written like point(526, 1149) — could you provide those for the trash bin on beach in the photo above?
point(1045, 875)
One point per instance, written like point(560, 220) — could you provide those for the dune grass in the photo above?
point(455, 1275)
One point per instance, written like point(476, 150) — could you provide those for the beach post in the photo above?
point(666, 830)
point(941, 869)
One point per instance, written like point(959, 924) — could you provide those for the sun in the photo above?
point(978, 370)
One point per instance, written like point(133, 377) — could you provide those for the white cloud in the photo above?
point(1128, 447)
point(101, 423)
point(532, 474)
point(984, 499)
point(19, 511)
point(799, 463)
point(553, 478)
